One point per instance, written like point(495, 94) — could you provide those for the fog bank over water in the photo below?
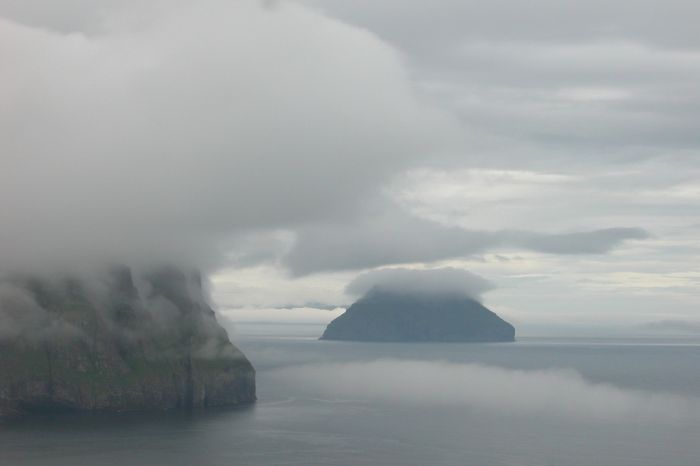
point(570, 403)
point(470, 386)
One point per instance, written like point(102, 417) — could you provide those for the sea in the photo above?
point(538, 401)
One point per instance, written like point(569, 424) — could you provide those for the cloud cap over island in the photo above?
point(445, 281)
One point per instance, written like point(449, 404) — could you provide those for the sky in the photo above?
point(289, 147)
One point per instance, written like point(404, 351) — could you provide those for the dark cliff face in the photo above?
point(391, 316)
point(64, 345)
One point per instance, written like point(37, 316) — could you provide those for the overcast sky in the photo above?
point(288, 147)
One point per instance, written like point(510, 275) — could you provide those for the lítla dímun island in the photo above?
point(108, 344)
point(419, 306)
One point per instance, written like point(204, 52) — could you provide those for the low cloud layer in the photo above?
point(166, 130)
point(673, 326)
point(21, 316)
point(397, 238)
point(444, 280)
point(192, 131)
point(543, 82)
point(163, 129)
point(553, 393)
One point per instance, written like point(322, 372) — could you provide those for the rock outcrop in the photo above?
point(67, 345)
point(391, 316)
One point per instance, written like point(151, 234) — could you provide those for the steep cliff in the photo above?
point(106, 345)
point(383, 315)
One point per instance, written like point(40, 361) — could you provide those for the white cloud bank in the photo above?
point(442, 280)
point(563, 393)
point(163, 129)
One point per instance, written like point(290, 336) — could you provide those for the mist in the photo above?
point(131, 134)
point(141, 141)
point(542, 393)
point(431, 281)
point(393, 237)
point(177, 176)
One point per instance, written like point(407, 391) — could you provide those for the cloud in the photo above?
point(587, 242)
point(673, 326)
point(213, 133)
point(22, 316)
point(567, 21)
point(398, 238)
point(653, 192)
point(552, 393)
point(551, 84)
point(443, 280)
point(169, 127)
point(313, 305)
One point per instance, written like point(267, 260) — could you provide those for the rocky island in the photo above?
point(106, 344)
point(389, 316)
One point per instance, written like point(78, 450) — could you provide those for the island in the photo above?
point(389, 315)
point(105, 344)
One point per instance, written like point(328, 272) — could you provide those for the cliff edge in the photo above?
point(66, 344)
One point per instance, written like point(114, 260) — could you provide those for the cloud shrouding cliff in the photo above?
point(175, 131)
point(162, 130)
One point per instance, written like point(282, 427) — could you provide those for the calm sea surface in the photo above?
point(534, 402)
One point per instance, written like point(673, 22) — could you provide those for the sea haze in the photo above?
point(533, 402)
